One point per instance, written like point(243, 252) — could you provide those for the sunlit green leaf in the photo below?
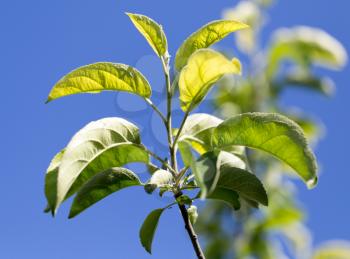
point(103, 144)
point(149, 228)
point(152, 31)
point(205, 67)
point(103, 76)
point(102, 185)
point(204, 38)
point(159, 179)
point(274, 134)
point(51, 182)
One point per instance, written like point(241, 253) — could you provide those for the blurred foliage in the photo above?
point(287, 60)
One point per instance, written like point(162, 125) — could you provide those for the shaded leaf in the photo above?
point(240, 180)
point(102, 185)
point(205, 67)
point(102, 76)
point(102, 144)
point(206, 173)
point(186, 153)
point(204, 38)
point(152, 32)
point(148, 229)
point(226, 195)
point(274, 134)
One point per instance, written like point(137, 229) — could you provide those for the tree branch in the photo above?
point(189, 228)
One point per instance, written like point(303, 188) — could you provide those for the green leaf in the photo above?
point(204, 38)
point(152, 31)
point(205, 67)
point(240, 180)
point(229, 159)
point(196, 123)
point(271, 133)
point(102, 76)
point(102, 185)
point(186, 153)
point(191, 135)
point(159, 178)
point(103, 144)
point(148, 229)
point(51, 182)
point(226, 195)
point(305, 46)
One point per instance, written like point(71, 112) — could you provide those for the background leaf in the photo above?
point(102, 185)
point(149, 228)
point(152, 32)
point(305, 45)
point(102, 76)
point(204, 38)
point(333, 250)
point(204, 68)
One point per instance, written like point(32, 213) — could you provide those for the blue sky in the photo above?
point(43, 40)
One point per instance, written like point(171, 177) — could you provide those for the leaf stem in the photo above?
point(172, 151)
point(155, 108)
point(174, 173)
point(180, 129)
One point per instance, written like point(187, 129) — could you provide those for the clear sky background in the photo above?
point(42, 40)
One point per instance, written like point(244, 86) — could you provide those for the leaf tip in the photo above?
point(312, 183)
point(238, 65)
